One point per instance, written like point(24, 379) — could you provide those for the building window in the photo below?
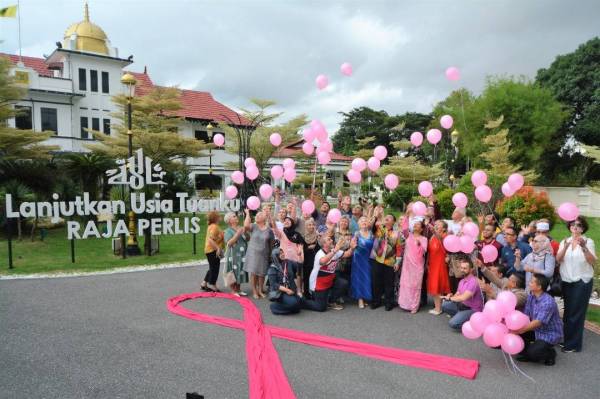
point(208, 182)
point(105, 82)
point(49, 120)
point(96, 124)
point(23, 118)
point(93, 80)
point(106, 126)
point(201, 135)
point(82, 80)
point(84, 126)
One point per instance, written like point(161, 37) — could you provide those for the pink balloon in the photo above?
point(419, 208)
point(479, 322)
point(308, 148)
point(253, 203)
point(237, 177)
point(470, 229)
point(507, 301)
point(289, 175)
point(231, 192)
point(516, 181)
point(324, 158)
point(434, 136)
point(373, 164)
point(452, 73)
point(489, 253)
point(479, 178)
point(507, 191)
point(346, 69)
point(265, 191)
point(512, 344)
point(316, 124)
point(219, 140)
point(252, 173)
point(322, 81)
point(276, 172)
point(467, 244)
point(354, 176)
point(452, 243)
point(289, 163)
point(469, 332)
point(380, 152)
point(493, 310)
point(391, 181)
point(516, 320)
point(334, 215)
point(321, 134)
point(446, 121)
point(494, 334)
point(249, 162)
point(308, 207)
point(416, 139)
point(359, 164)
point(275, 139)
point(326, 145)
point(460, 200)
point(483, 193)
point(568, 211)
point(425, 188)
point(309, 135)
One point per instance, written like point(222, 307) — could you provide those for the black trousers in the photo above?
point(382, 279)
point(214, 263)
point(322, 298)
point(577, 297)
point(537, 350)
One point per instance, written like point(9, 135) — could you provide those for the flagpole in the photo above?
point(19, 24)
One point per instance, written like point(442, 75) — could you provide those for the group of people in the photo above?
point(310, 262)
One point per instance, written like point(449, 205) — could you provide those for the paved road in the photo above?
point(112, 337)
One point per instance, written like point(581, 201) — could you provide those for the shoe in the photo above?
point(335, 306)
point(204, 287)
point(550, 362)
point(361, 305)
point(562, 345)
point(388, 307)
point(566, 350)
point(435, 312)
point(374, 305)
point(242, 293)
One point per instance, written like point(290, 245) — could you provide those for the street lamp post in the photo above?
point(129, 82)
point(209, 133)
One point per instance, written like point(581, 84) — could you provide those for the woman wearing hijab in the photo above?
point(282, 294)
point(292, 245)
point(541, 260)
point(311, 247)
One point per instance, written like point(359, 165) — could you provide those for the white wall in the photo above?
point(586, 200)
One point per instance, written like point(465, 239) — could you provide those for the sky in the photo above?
point(274, 49)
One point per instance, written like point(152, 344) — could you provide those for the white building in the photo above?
point(71, 90)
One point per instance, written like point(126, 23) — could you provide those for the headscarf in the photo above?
point(291, 233)
point(311, 238)
point(545, 248)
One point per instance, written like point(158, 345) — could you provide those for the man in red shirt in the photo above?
point(488, 232)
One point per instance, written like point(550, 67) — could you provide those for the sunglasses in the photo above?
point(577, 225)
point(510, 234)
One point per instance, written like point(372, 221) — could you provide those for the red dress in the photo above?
point(437, 272)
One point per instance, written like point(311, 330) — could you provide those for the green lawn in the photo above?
point(593, 314)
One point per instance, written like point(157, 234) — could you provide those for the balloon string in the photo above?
point(517, 369)
point(512, 370)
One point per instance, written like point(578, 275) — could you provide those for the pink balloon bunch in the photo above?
point(568, 211)
point(416, 139)
point(513, 184)
point(219, 140)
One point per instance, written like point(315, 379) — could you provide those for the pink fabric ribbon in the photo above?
point(266, 377)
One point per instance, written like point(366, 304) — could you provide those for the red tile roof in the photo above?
point(295, 149)
point(37, 64)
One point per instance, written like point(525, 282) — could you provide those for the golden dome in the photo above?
point(88, 36)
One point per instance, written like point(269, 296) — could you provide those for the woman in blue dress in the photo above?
point(361, 266)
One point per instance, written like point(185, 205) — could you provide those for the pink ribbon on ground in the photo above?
point(266, 377)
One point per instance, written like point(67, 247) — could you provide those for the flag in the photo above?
point(8, 12)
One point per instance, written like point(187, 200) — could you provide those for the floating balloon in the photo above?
point(568, 211)
point(516, 181)
point(446, 121)
point(416, 139)
point(322, 81)
point(346, 69)
point(308, 148)
point(289, 175)
point(275, 139)
point(276, 172)
point(516, 320)
point(467, 244)
point(219, 140)
point(512, 344)
point(308, 207)
point(452, 73)
point(489, 253)
point(359, 164)
point(479, 178)
point(460, 200)
point(434, 136)
point(470, 229)
point(479, 322)
point(334, 215)
point(494, 334)
point(324, 158)
point(419, 208)
point(452, 243)
point(425, 188)
point(249, 162)
point(507, 190)
point(252, 172)
point(354, 176)
point(237, 177)
point(493, 310)
point(265, 191)
point(289, 163)
point(391, 181)
point(483, 193)
point(327, 145)
point(373, 164)
point(309, 135)
point(380, 152)
point(321, 134)
point(469, 332)
point(231, 192)
point(507, 301)
point(253, 203)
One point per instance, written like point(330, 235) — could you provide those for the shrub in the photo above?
point(526, 206)
point(401, 196)
point(444, 200)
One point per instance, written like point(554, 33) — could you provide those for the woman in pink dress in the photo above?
point(413, 266)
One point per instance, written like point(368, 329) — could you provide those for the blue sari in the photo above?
point(361, 268)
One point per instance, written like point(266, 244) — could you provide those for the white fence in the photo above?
point(587, 200)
